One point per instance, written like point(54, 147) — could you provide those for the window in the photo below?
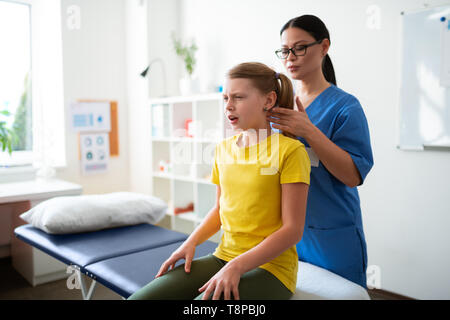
point(15, 79)
point(31, 82)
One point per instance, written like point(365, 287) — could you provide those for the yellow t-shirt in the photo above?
point(250, 203)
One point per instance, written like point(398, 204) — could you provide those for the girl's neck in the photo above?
point(253, 136)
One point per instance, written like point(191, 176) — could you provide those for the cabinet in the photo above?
point(185, 131)
point(34, 265)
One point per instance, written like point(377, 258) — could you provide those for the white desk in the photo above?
point(36, 190)
point(34, 265)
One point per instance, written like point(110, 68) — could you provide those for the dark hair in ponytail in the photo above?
point(317, 29)
point(266, 80)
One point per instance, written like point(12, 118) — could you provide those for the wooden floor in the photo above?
point(14, 287)
point(376, 294)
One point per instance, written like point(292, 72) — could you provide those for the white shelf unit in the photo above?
point(190, 158)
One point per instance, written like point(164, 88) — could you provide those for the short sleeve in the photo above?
point(215, 169)
point(296, 167)
point(351, 133)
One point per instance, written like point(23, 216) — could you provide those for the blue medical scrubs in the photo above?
point(333, 237)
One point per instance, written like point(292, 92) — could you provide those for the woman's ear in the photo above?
point(325, 47)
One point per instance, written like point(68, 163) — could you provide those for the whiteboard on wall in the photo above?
point(424, 88)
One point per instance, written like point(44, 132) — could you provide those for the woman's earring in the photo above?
point(265, 109)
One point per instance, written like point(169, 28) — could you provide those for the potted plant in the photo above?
point(187, 53)
point(6, 135)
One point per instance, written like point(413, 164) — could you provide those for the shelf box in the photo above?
point(160, 153)
point(183, 193)
point(181, 113)
point(182, 155)
point(160, 120)
point(204, 172)
point(162, 188)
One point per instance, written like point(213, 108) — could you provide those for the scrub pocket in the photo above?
point(339, 250)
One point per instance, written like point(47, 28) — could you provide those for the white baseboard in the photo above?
point(49, 277)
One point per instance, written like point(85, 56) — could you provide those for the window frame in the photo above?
point(21, 158)
point(30, 161)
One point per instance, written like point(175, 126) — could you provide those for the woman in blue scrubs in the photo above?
point(332, 125)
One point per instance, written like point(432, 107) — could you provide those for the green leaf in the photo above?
point(187, 53)
point(6, 135)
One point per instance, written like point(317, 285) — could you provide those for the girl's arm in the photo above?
point(209, 226)
point(294, 196)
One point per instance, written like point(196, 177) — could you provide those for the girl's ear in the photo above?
point(271, 99)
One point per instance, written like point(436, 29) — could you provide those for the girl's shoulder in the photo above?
point(288, 144)
point(293, 156)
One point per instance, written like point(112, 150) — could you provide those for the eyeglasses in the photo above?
point(297, 51)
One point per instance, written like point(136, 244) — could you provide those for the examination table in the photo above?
point(124, 259)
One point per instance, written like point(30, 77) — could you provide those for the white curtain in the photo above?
point(47, 85)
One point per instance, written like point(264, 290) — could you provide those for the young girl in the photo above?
point(262, 180)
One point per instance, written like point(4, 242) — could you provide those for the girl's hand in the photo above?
point(292, 121)
point(186, 251)
point(226, 281)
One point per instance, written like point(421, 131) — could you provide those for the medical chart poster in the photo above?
point(94, 149)
point(91, 116)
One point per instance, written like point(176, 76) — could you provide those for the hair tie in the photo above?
point(277, 75)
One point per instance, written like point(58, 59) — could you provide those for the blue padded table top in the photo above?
point(86, 248)
point(126, 274)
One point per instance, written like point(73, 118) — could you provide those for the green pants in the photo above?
point(257, 284)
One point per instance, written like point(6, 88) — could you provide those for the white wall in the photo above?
point(94, 68)
point(405, 205)
point(163, 20)
point(137, 58)
point(149, 25)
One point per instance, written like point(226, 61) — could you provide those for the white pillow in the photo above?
point(74, 214)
